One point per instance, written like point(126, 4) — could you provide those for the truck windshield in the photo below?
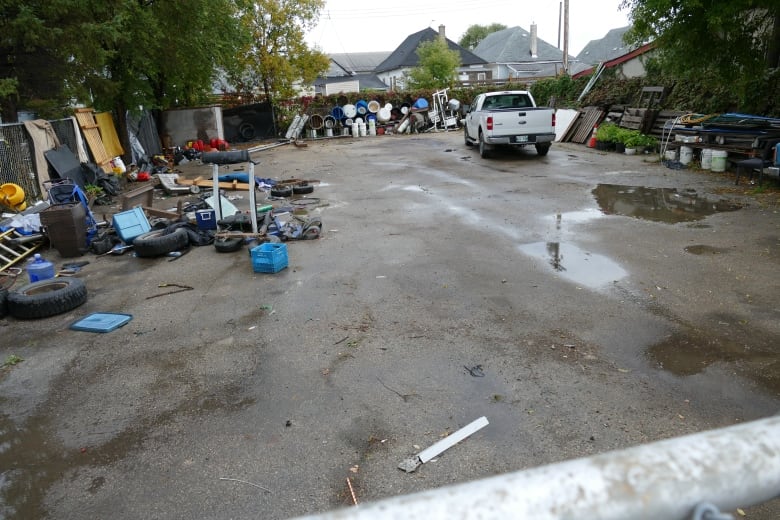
point(506, 101)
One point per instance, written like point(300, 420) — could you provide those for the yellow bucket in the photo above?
point(11, 194)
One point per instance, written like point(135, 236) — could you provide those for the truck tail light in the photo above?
point(490, 123)
point(553, 119)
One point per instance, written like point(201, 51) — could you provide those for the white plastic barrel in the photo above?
point(350, 111)
point(383, 115)
point(706, 159)
point(686, 154)
point(373, 106)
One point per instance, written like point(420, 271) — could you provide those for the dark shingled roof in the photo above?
point(355, 62)
point(406, 53)
point(513, 45)
point(608, 48)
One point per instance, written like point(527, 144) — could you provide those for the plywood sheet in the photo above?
point(108, 133)
point(91, 132)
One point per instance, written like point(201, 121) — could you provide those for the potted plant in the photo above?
point(93, 191)
point(648, 142)
point(606, 136)
point(632, 141)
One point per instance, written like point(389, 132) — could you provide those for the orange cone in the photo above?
point(592, 142)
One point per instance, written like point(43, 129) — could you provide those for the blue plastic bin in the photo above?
point(269, 257)
point(131, 223)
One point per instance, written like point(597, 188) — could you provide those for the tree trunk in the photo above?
point(773, 56)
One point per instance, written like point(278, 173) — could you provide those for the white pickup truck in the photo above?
point(509, 118)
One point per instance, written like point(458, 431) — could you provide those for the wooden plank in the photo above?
point(89, 127)
point(204, 183)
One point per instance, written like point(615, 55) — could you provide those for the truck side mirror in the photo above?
point(466, 109)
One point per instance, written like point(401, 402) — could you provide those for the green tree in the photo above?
point(476, 33)
point(113, 55)
point(737, 41)
point(277, 56)
point(438, 66)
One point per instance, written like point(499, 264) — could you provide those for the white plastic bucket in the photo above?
point(706, 159)
point(686, 154)
point(670, 155)
point(328, 132)
point(389, 106)
point(719, 160)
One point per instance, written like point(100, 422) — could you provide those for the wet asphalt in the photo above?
point(583, 302)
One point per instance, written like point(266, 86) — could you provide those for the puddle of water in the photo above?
point(688, 354)
point(572, 263)
point(701, 249)
point(658, 204)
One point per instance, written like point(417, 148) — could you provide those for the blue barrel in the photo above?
point(362, 107)
point(337, 113)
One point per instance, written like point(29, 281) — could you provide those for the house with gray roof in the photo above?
point(351, 63)
point(517, 54)
point(392, 71)
point(607, 48)
point(351, 72)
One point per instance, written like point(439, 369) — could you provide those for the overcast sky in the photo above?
point(368, 25)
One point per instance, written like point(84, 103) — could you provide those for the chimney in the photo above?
point(442, 35)
point(533, 41)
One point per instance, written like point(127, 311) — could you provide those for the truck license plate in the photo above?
point(521, 139)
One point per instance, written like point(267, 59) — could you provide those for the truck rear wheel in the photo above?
point(484, 151)
point(542, 148)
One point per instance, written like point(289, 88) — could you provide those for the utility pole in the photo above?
point(565, 36)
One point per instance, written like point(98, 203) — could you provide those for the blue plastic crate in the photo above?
point(269, 257)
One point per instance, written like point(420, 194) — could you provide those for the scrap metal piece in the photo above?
point(411, 464)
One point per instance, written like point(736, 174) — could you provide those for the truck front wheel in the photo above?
point(466, 136)
point(484, 150)
point(542, 148)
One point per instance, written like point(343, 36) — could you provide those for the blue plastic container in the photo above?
point(206, 219)
point(40, 269)
point(129, 224)
point(777, 154)
point(269, 257)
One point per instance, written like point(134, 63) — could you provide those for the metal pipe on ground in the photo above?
point(733, 467)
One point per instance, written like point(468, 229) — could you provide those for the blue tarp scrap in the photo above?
point(244, 177)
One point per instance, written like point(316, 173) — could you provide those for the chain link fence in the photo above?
point(16, 160)
point(17, 150)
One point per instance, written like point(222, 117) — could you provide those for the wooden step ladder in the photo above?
point(15, 247)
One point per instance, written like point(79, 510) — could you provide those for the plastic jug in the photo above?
point(40, 269)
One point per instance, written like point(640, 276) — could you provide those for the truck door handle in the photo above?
point(521, 114)
point(522, 122)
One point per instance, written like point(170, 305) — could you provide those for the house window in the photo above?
point(481, 76)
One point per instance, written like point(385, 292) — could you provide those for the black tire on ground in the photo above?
point(228, 245)
point(281, 191)
point(484, 150)
point(303, 189)
point(157, 243)
point(3, 304)
point(466, 136)
point(542, 148)
point(311, 233)
point(47, 298)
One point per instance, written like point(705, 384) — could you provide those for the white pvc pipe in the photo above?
point(732, 467)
